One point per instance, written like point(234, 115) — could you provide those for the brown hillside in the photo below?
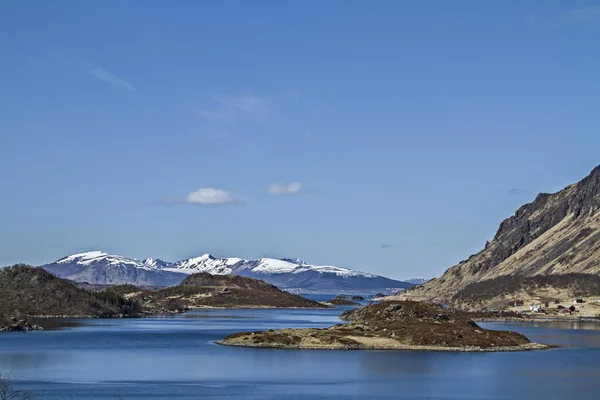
point(206, 290)
point(26, 290)
point(556, 234)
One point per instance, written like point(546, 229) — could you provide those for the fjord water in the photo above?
point(176, 358)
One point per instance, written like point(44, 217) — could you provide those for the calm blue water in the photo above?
point(175, 358)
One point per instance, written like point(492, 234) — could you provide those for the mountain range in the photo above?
point(97, 267)
point(556, 236)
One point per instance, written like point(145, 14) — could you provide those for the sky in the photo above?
point(388, 137)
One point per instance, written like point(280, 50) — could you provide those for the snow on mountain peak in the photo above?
point(90, 255)
point(262, 266)
point(295, 261)
point(213, 265)
point(100, 257)
point(155, 263)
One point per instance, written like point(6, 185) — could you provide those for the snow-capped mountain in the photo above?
point(102, 268)
point(97, 267)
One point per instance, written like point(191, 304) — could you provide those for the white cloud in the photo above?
point(284, 188)
point(108, 77)
point(211, 196)
point(586, 13)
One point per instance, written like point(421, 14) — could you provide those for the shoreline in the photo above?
point(145, 315)
point(399, 347)
point(258, 307)
point(537, 320)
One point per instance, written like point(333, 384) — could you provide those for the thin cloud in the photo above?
point(212, 196)
point(245, 107)
point(108, 77)
point(585, 13)
point(284, 188)
point(240, 107)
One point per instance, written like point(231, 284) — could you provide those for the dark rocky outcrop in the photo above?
point(18, 325)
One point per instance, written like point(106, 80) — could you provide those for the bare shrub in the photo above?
point(9, 392)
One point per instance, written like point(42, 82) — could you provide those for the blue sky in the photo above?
point(389, 137)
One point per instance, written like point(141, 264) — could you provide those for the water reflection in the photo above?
point(564, 334)
point(50, 324)
point(382, 363)
point(29, 361)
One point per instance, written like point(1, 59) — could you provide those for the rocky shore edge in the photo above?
point(398, 347)
point(537, 319)
point(20, 325)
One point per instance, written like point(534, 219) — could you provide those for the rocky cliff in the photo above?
point(556, 234)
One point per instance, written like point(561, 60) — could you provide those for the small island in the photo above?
point(342, 300)
point(392, 325)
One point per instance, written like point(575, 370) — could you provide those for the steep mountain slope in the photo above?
point(97, 267)
point(102, 268)
point(556, 234)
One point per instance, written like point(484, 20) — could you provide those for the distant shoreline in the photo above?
point(190, 308)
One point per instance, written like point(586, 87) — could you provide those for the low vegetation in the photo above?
point(511, 287)
point(26, 291)
point(206, 290)
point(393, 325)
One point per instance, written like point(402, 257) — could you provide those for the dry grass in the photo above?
point(391, 326)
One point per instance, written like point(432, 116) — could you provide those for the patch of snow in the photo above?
point(274, 266)
point(95, 257)
point(90, 255)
